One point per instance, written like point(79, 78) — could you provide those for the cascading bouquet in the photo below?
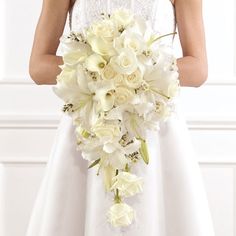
point(117, 81)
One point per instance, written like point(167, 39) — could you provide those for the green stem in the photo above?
point(117, 198)
point(162, 36)
point(127, 168)
point(158, 92)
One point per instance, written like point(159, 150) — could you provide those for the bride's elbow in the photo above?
point(201, 76)
point(34, 72)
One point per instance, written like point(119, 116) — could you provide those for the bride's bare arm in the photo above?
point(43, 64)
point(193, 66)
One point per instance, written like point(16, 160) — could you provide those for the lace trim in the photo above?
point(83, 12)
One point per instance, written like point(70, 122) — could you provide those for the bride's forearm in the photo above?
point(192, 72)
point(45, 69)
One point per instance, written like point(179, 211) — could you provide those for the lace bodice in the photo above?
point(159, 12)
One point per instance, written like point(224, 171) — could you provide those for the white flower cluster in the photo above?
point(117, 81)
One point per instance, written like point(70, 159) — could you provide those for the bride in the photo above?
point(71, 200)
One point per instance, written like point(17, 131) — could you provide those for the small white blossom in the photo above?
point(121, 214)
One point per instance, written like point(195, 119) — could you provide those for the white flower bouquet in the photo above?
point(117, 81)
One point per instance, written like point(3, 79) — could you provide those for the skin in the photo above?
point(193, 67)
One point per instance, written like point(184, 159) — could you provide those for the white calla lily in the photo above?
point(122, 17)
point(95, 63)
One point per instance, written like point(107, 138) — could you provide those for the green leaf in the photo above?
point(94, 163)
point(144, 151)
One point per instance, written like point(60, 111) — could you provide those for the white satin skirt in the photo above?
point(71, 200)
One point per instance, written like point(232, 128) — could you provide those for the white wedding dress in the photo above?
point(71, 200)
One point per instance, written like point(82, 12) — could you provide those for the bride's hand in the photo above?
point(43, 63)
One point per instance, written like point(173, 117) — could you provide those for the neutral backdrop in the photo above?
point(29, 115)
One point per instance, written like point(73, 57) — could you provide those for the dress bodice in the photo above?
point(160, 13)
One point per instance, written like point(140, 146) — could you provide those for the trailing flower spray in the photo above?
point(118, 80)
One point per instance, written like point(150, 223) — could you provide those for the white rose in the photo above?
point(120, 214)
point(109, 131)
point(125, 62)
point(123, 95)
point(101, 46)
point(105, 29)
point(134, 80)
point(130, 40)
point(128, 184)
point(119, 80)
point(135, 43)
point(109, 72)
point(95, 63)
point(122, 17)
